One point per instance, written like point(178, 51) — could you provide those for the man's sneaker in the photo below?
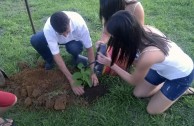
point(49, 66)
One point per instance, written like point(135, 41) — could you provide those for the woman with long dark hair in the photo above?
point(163, 71)
point(107, 9)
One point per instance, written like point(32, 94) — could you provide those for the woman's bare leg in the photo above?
point(159, 103)
point(145, 89)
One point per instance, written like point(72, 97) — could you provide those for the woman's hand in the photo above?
point(98, 43)
point(104, 59)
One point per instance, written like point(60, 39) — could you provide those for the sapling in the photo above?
point(82, 77)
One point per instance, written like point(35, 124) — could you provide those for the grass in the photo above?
point(119, 108)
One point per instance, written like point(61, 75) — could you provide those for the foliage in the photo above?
point(83, 76)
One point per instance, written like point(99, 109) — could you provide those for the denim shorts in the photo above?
point(172, 89)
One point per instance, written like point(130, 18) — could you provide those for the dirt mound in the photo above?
point(39, 87)
point(48, 88)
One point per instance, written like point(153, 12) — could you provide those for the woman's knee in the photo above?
point(159, 103)
point(138, 93)
point(152, 111)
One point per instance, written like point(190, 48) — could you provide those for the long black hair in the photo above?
point(128, 36)
point(109, 7)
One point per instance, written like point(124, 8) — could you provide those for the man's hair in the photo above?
point(59, 21)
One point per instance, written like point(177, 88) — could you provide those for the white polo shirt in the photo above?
point(79, 32)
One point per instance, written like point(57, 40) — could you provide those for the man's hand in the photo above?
point(92, 59)
point(78, 90)
point(94, 79)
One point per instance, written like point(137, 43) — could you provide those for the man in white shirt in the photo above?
point(67, 28)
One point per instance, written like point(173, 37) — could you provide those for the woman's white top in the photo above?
point(176, 64)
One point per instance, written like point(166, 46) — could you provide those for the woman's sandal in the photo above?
point(6, 122)
point(189, 91)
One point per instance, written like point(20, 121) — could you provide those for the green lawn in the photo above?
point(119, 107)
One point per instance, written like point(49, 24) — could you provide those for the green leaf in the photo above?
point(86, 77)
point(82, 71)
point(78, 82)
point(89, 82)
point(77, 75)
point(88, 72)
point(80, 66)
point(83, 76)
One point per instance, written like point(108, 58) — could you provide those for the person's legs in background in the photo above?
point(40, 44)
point(7, 100)
point(75, 48)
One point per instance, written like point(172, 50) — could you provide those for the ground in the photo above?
point(47, 88)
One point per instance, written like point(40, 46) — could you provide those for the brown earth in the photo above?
point(47, 88)
point(40, 87)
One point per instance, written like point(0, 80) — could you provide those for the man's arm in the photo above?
point(91, 59)
point(78, 90)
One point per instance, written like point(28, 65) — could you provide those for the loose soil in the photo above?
point(48, 88)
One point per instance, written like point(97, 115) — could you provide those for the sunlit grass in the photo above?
point(119, 107)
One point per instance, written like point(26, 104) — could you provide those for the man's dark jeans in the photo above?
point(73, 47)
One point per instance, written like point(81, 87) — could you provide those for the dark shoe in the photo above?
point(49, 66)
